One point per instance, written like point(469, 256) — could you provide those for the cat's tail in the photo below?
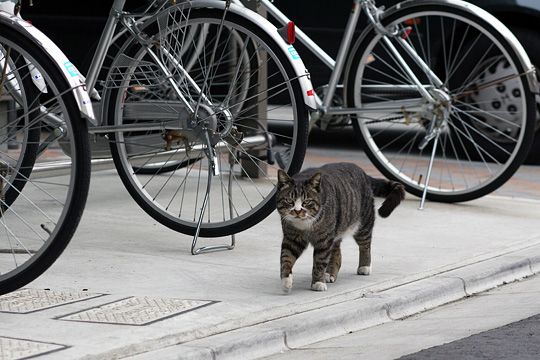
point(392, 191)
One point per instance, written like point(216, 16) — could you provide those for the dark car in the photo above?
point(77, 31)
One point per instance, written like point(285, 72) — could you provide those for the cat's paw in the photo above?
point(364, 270)
point(286, 284)
point(318, 286)
point(329, 278)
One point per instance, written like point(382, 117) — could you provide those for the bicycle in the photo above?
point(179, 116)
point(453, 121)
point(180, 102)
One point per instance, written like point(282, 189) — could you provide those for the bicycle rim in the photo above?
point(487, 133)
point(250, 91)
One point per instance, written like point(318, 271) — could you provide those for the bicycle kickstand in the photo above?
point(430, 167)
point(213, 170)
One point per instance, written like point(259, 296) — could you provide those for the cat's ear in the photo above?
point(284, 179)
point(315, 182)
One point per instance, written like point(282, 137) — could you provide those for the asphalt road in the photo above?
point(519, 340)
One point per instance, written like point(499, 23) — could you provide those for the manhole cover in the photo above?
point(29, 300)
point(137, 311)
point(11, 349)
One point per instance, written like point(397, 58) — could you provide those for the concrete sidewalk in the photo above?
point(127, 286)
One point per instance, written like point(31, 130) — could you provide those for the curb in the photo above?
point(369, 310)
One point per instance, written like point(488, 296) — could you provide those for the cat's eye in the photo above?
point(308, 203)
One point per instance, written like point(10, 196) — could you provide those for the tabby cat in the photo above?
point(320, 206)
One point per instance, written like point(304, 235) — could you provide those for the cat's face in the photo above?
point(298, 203)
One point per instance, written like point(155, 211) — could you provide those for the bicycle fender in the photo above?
point(70, 72)
point(302, 74)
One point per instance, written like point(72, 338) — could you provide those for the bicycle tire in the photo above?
point(476, 154)
point(37, 226)
point(241, 215)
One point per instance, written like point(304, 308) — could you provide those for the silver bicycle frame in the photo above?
point(104, 42)
point(337, 66)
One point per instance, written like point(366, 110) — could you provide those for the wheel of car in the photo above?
point(529, 39)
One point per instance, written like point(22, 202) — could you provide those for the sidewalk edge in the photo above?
point(335, 320)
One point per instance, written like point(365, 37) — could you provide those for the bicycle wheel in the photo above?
point(39, 209)
point(484, 113)
point(249, 87)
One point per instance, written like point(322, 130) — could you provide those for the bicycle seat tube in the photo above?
point(104, 43)
point(342, 53)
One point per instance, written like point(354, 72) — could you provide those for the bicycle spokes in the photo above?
point(245, 111)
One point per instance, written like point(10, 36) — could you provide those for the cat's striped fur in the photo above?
point(320, 206)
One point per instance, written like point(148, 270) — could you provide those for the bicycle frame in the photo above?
point(337, 66)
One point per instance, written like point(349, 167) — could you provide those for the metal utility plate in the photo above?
point(30, 300)
point(14, 349)
point(137, 311)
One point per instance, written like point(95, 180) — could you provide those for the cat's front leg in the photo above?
point(335, 262)
point(290, 251)
point(321, 257)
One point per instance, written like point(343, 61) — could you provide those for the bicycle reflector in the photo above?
point(288, 32)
